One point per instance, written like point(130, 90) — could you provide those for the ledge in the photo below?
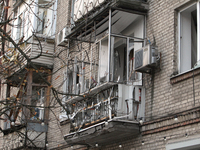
point(101, 134)
point(92, 91)
point(184, 118)
point(184, 76)
point(164, 118)
point(172, 126)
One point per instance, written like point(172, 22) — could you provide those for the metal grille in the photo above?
point(139, 59)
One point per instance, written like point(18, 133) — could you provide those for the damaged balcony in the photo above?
point(101, 134)
point(109, 60)
point(109, 99)
point(113, 112)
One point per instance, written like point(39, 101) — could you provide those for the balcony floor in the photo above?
point(101, 134)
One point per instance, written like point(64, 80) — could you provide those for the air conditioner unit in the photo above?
point(61, 41)
point(145, 59)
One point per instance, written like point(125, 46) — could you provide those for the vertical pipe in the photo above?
point(67, 74)
point(109, 104)
point(127, 60)
point(198, 31)
point(7, 112)
point(47, 102)
point(109, 43)
point(5, 25)
point(83, 72)
point(91, 67)
point(99, 62)
point(74, 75)
point(145, 31)
point(152, 91)
point(112, 58)
point(95, 30)
point(29, 94)
point(179, 41)
point(45, 146)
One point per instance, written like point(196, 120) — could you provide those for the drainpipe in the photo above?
point(5, 18)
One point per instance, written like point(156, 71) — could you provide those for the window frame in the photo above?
point(179, 35)
point(40, 105)
point(46, 31)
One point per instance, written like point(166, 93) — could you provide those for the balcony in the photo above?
point(102, 134)
point(114, 112)
point(92, 8)
point(27, 113)
point(40, 53)
point(34, 35)
point(110, 98)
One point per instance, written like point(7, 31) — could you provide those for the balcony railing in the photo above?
point(113, 113)
point(13, 60)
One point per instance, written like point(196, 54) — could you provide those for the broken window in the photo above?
point(188, 38)
point(18, 28)
point(45, 16)
point(38, 99)
point(103, 60)
point(119, 48)
point(123, 25)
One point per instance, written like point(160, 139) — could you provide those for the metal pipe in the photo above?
point(4, 28)
point(127, 60)
point(109, 43)
point(123, 36)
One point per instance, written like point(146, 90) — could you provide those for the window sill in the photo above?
point(184, 76)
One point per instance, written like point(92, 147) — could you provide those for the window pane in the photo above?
point(188, 38)
point(119, 65)
point(128, 24)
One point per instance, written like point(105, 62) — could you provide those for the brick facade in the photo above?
point(163, 99)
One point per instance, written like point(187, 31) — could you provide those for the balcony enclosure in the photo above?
point(112, 98)
point(33, 31)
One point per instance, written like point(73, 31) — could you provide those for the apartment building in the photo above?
point(128, 72)
point(26, 67)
